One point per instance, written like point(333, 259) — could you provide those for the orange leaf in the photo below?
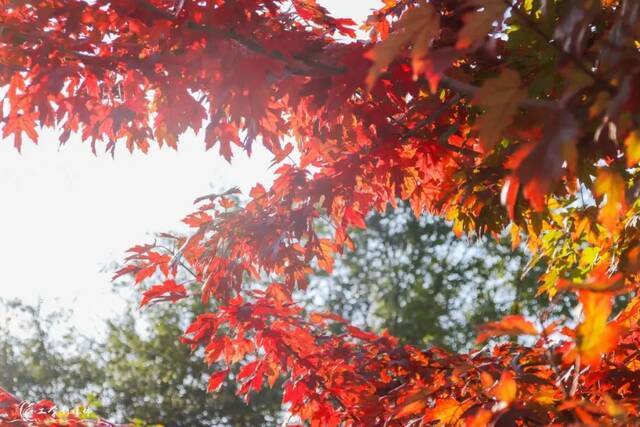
point(506, 389)
point(412, 408)
point(612, 185)
point(447, 411)
point(632, 145)
point(481, 418)
point(598, 281)
point(511, 325)
point(595, 335)
point(486, 380)
point(630, 316)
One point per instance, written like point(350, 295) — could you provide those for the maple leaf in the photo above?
point(128, 72)
point(481, 418)
point(499, 97)
point(538, 165)
point(325, 255)
point(477, 24)
point(512, 325)
point(433, 64)
point(632, 145)
point(612, 185)
point(595, 335)
point(413, 408)
point(413, 405)
point(418, 26)
point(447, 411)
point(169, 290)
point(18, 124)
point(352, 216)
point(599, 280)
point(216, 380)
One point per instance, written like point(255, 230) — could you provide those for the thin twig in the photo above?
point(576, 377)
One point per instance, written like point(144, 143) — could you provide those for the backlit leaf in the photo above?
point(418, 26)
point(512, 325)
point(538, 165)
point(499, 97)
point(216, 380)
point(477, 25)
point(596, 335)
point(632, 145)
point(611, 185)
point(506, 389)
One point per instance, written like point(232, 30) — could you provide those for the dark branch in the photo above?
point(469, 90)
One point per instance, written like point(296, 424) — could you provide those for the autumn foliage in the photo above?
point(494, 114)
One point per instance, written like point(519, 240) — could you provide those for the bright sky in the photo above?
point(66, 215)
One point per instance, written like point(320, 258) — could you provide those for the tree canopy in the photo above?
point(493, 114)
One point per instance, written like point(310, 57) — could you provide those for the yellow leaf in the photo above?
point(611, 184)
point(499, 97)
point(613, 408)
point(630, 316)
point(325, 255)
point(595, 335)
point(516, 237)
point(546, 396)
point(632, 145)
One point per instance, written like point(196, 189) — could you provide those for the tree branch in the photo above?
point(469, 90)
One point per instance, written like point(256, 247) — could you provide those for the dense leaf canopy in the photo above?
point(491, 113)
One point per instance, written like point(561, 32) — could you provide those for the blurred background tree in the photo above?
point(137, 371)
point(416, 278)
point(42, 355)
point(149, 375)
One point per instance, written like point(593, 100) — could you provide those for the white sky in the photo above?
point(65, 215)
